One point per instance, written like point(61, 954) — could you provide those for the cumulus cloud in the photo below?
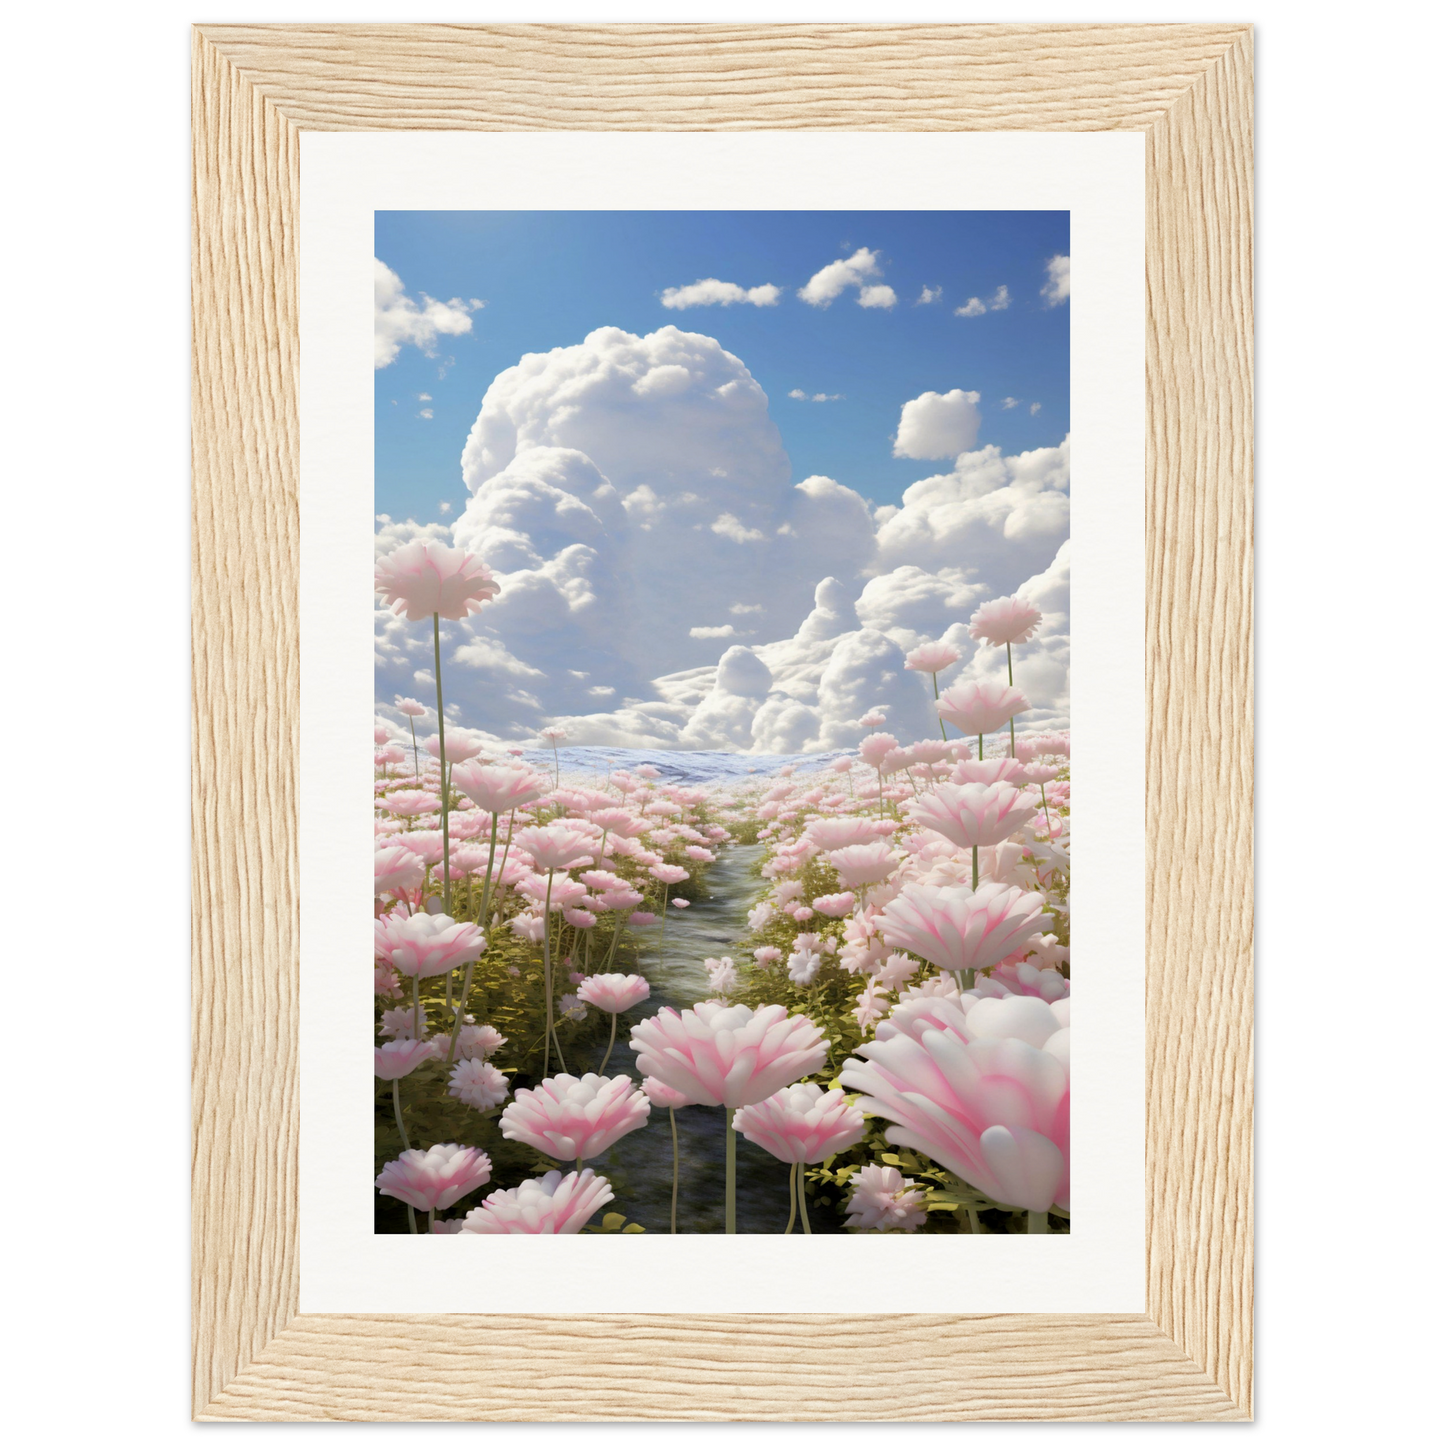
point(1035, 408)
point(929, 295)
point(632, 495)
point(972, 307)
point(1056, 288)
point(1009, 402)
point(883, 297)
point(976, 306)
point(827, 285)
point(401, 321)
point(1000, 300)
point(713, 292)
point(798, 394)
point(937, 425)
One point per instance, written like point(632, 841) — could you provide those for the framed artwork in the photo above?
point(663, 437)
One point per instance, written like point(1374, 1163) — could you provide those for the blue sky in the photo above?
point(548, 278)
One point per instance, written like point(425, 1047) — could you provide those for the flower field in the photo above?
point(830, 995)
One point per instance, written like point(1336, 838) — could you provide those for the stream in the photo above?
point(639, 1165)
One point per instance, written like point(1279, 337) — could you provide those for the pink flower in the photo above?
point(386, 983)
point(479, 1041)
point(410, 802)
point(620, 822)
point(398, 1058)
point(614, 993)
point(956, 929)
point(397, 1023)
point(668, 873)
point(1006, 619)
point(619, 897)
point(553, 735)
point(932, 657)
point(570, 1118)
point(875, 748)
point(863, 864)
point(530, 926)
point(1042, 745)
point(767, 956)
point(426, 843)
point(828, 834)
point(803, 966)
point(802, 1123)
point(410, 707)
point(834, 905)
point(681, 903)
point(555, 846)
point(980, 707)
point(874, 719)
point(973, 815)
point(552, 1204)
point(664, 1096)
point(722, 975)
point(426, 577)
point(398, 868)
point(496, 789)
point(480, 1085)
point(988, 770)
point(421, 945)
point(995, 1111)
point(435, 1179)
point(883, 1199)
point(730, 1055)
point(460, 747)
point(641, 919)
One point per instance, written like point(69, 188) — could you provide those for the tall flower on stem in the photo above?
point(428, 577)
point(1001, 623)
point(933, 658)
point(962, 930)
point(411, 710)
point(422, 945)
point(613, 993)
point(665, 1097)
point(801, 1125)
point(730, 1055)
point(553, 736)
point(976, 708)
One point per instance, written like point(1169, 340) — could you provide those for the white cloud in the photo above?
point(1009, 402)
point(929, 295)
point(934, 425)
point(400, 321)
point(1056, 289)
point(444, 508)
point(713, 292)
point(1035, 408)
point(423, 396)
point(633, 497)
point(1000, 299)
point(798, 394)
point(827, 285)
point(728, 525)
point(875, 297)
point(972, 307)
point(426, 413)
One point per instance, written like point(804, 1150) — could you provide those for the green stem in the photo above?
point(431, 1219)
point(415, 756)
point(611, 1040)
point(1009, 648)
point(415, 1009)
point(803, 1198)
point(1038, 1221)
point(980, 747)
point(436, 638)
point(730, 1201)
point(672, 1118)
point(792, 1196)
point(975, 867)
point(401, 1129)
point(481, 920)
point(941, 727)
point(547, 980)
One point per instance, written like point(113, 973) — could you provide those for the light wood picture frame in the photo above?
point(1188, 89)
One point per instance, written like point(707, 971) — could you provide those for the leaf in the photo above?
point(613, 1221)
point(891, 1159)
point(634, 1229)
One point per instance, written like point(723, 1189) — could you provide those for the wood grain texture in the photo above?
point(1188, 88)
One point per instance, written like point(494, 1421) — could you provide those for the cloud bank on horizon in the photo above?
point(666, 584)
